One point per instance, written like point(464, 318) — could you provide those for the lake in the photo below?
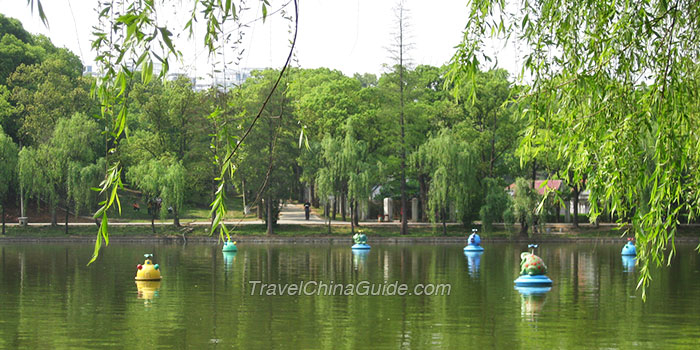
point(50, 299)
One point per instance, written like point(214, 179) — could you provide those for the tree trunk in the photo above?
point(422, 197)
point(558, 212)
point(355, 212)
point(404, 219)
point(270, 230)
point(328, 215)
point(3, 219)
point(534, 174)
point(54, 220)
point(245, 212)
point(352, 218)
point(153, 222)
point(342, 205)
point(66, 230)
point(574, 194)
point(523, 229)
point(176, 217)
point(335, 207)
point(444, 222)
point(493, 144)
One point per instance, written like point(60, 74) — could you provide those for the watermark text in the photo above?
point(362, 288)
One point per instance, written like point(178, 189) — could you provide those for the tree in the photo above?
point(7, 111)
point(161, 182)
point(428, 109)
point(356, 169)
point(524, 206)
point(148, 177)
point(496, 203)
point(76, 145)
point(44, 93)
point(65, 167)
point(399, 50)
point(147, 40)
point(169, 121)
point(267, 157)
point(491, 116)
point(620, 73)
point(16, 47)
point(8, 164)
point(453, 177)
point(40, 175)
point(330, 177)
point(323, 101)
point(173, 191)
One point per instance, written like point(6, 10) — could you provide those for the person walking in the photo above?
point(307, 209)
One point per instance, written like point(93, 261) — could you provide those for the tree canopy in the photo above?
point(616, 83)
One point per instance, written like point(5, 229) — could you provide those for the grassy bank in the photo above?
point(294, 231)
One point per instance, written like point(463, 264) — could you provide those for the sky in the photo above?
point(353, 36)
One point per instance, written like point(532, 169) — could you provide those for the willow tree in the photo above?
point(523, 207)
point(496, 202)
point(131, 34)
point(162, 183)
point(40, 175)
point(358, 170)
point(330, 177)
point(323, 101)
point(8, 165)
point(173, 191)
point(453, 184)
point(75, 144)
point(624, 76)
point(65, 167)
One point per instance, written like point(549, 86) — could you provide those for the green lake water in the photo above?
point(50, 299)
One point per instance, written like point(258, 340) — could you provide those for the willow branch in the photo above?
point(274, 87)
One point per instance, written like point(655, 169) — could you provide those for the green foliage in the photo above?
point(173, 188)
point(616, 83)
point(17, 47)
point(525, 203)
point(66, 166)
point(45, 93)
point(81, 180)
point(450, 162)
point(39, 173)
point(356, 164)
point(496, 203)
point(330, 176)
point(160, 178)
point(77, 148)
point(8, 165)
point(7, 110)
point(148, 41)
point(266, 158)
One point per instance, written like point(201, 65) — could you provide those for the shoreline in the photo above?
point(323, 239)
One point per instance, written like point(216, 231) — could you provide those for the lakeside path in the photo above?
point(290, 214)
point(293, 215)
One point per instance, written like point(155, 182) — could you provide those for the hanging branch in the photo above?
point(218, 207)
point(132, 39)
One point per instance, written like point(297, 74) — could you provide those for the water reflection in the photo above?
point(229, 258)
point(207, 300)
point(147, 290)
point(359, 258)
point(628, 263)
point(532, 301)
point(474, 262)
